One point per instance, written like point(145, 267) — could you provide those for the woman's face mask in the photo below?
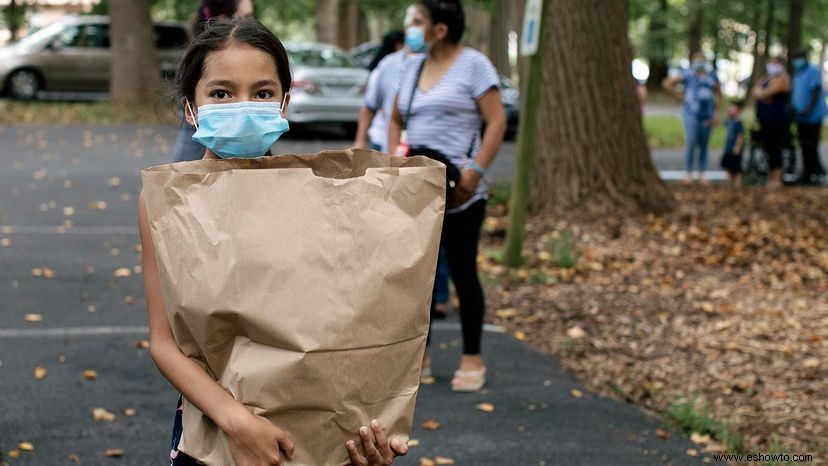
point(774, 68)
point(699, 65)
point(415, 39)
point(799, 63)
point(241, 129)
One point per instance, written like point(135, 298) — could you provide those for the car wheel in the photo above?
point(24, 84)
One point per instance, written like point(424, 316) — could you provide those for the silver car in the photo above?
point(73, 54)
point(327, 87)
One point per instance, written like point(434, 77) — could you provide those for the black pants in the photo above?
point(461, 237)
point(774, 135)
point(809, 142)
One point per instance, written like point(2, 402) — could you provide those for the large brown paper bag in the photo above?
point(302, 284)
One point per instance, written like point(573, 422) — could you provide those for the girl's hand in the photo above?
point(255, 441)
point(376, 449)
point(469, 179)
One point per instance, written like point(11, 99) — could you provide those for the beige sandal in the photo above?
point(468, 381)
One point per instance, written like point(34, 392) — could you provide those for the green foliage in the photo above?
point(561, 246)
point(693, 416)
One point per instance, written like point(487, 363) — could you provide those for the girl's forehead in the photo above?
point(239, 63)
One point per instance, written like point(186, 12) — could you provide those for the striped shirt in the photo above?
point(445, 117)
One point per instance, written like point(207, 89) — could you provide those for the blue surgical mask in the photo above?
point(240, 129)
point(415, 39)
point(699, 65)
point(799, 63)
point(774, 68)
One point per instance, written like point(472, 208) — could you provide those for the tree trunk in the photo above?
point(502, 23)
point(794, 28)
point(135, 71)
point(758, 63)
point(327, 19)
point(768, 30)
point(657, 46)
point(348, 31)
point(694, 29)
point(590, 144)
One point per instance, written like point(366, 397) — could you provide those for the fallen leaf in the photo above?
point(412, 442)
point(26, 446)
point(33, 318)
point(520, 335)
point(129, 412)
point(114, 452)
point(692, 452)
point(40, 372)
point(101, 414)
point(576, 393)
point(89, 374)
point(443, 460)
point(662, 434)
point(48, 273)
point(699, 439)
point(143, 344)
point(5, 242)
point(811, 363)
point(62, 359)
point(575, 333)
point(99, 205)
point(507, 313)
point(430, 424)
point(91, 308)
point(68, 211)
point(427, 462)
point(122, 272)
point(427, 380)
point(114, 181)
point(74, 458)
point(485, 407)
point(14, 453)
point(129, 300)
point(37, 272)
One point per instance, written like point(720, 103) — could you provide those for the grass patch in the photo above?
point(691, 416)
point(89, 113)
point(500, 194)
point(561, 246)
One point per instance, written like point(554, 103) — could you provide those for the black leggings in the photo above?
point(775, 135)
point(461, 237)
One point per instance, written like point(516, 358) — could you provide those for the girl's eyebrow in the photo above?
point(265, 82)
point(221, 82)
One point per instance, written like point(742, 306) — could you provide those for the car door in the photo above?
point(78, 59)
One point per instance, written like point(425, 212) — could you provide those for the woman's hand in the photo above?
point(376, 449)
point(255, 441)
point(469, 179)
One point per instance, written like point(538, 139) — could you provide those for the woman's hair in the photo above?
point(217, 35)
point(389, 46)
point(211, 9)
point(448, 12)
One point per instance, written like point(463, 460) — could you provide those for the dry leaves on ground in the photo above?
point(723, 298)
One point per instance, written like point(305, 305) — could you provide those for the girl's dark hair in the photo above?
point(389, 46)
point(212, 9)
point(448, 12)
point(217, 35)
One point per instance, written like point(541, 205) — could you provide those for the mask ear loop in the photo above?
point(192, 115)
point(282, 107)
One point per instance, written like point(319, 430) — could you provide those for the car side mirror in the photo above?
point(55, 45)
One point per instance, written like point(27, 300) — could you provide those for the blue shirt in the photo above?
point(805, 81)
point(734, 129)
point(379, 95)
point(699, 94)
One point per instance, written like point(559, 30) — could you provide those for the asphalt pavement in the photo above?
point(67, 228)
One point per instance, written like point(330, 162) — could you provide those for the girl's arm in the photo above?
point(491, 108)
point(740, 139)
point(252, 437)
point(394, 129)
point(669, 84)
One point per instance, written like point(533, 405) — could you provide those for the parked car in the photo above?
point(327, 87)
point(73, 54)
point(363, 54)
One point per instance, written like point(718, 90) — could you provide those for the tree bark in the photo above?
point(758, 63)
point(590, 144)
point(135, 70)
point(657, 46)
point(502, 23)
point(694, 29)
point(794, 27)
point(768, 30)
point(327, 20)
point(348, 30)
point(478, 27)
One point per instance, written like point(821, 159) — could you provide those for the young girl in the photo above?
point(233, 81)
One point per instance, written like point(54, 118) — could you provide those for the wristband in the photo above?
point(474, 166)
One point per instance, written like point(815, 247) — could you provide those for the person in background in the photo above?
point(808, 102)
point(443, 97)
point(185, 148)
point(700, 109)
point(735, 142)
point(392, 42)
point(771, 94)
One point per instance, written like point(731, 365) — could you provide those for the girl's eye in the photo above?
point(220, 94)
point(264, 95)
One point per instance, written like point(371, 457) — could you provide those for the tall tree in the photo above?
point(590, 144)
point(795, 9)
point(502, 24)
point(135, 70)
point(349, 24)
point(758, 47)
point(656, 44)
point(769, 16)
point(327, 21)
point(695, 26)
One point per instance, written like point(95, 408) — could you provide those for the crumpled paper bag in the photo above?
point(301, 284)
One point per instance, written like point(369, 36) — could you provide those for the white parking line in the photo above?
point(59, 230)
point(140, 330)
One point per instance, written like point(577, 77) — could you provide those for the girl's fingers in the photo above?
point(356, 458)
point(382, 442)
point(399, 447)
point(368, 446)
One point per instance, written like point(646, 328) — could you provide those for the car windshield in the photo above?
point(320, 58)
point(42, 36)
